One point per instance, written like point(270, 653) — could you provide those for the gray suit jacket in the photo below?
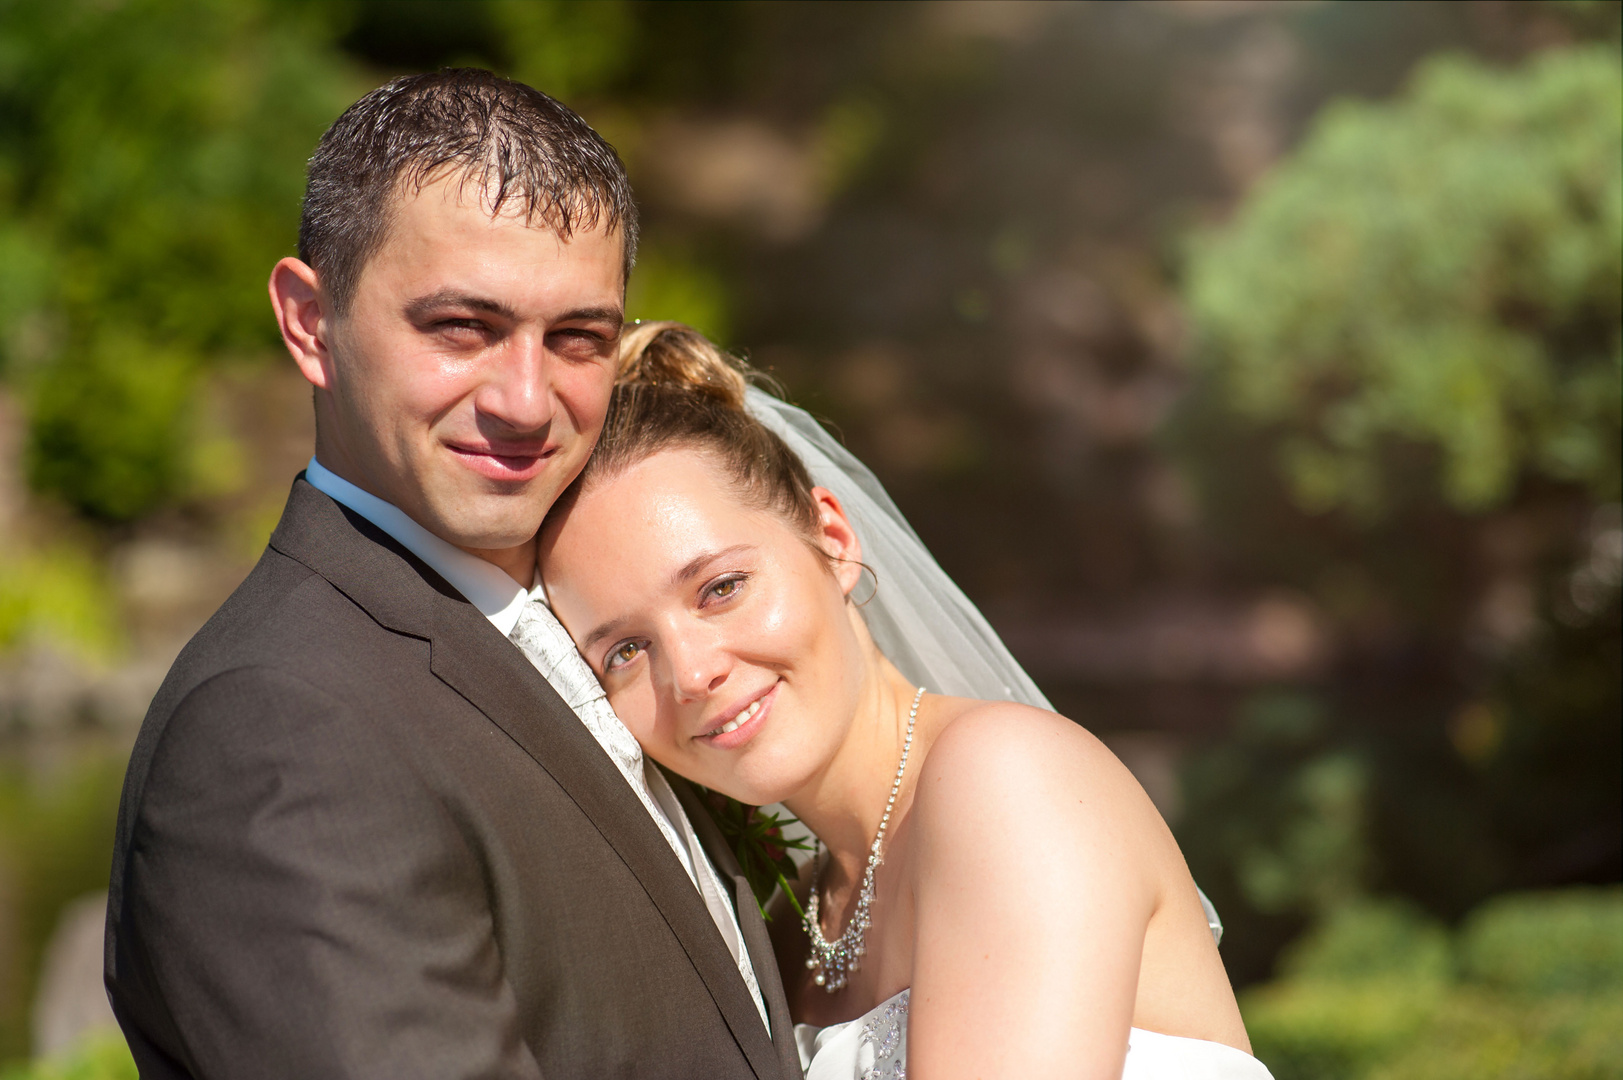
point(362, 836)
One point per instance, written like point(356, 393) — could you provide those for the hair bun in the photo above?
point(674, 356)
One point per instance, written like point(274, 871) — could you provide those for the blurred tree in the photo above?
point(570, 50)
point(144, 192)
point(1279, 832)
point(1410, 350)
point(1442, 270)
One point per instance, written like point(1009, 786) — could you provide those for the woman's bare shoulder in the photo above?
point(993, 746)
point(1029, 778)
point(1031, 860)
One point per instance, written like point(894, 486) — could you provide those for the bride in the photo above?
point(997, 897)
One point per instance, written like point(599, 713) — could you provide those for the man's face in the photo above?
point(472, 372)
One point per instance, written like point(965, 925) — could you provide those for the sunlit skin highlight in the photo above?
point(1030, 895)
point(468, 381)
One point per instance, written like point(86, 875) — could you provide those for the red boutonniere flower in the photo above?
point(757, 838)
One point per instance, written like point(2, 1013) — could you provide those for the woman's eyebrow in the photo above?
point(699, 562)
point(690, 570)
point(610, 627)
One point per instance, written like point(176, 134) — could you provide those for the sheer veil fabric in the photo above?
point(918, 616)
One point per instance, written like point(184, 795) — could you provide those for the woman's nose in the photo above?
point(698, 667)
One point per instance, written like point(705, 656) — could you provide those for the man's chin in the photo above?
point(481, 543)
point(471, 530)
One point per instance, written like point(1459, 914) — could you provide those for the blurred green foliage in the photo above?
point(1409, 339)
point(1294, 835)
point(1530, 987)
point(59, 596)
point(568, 49)
point(145, 190)
point(1319, 795)
point(109, 423)
point(149, 178)
point(102, 1056)
point(1443, 270)
point(56, 842)
point(664, 287)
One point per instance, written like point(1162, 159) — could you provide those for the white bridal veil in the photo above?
point(918, 617)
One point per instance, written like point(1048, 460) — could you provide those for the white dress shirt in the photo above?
point(523, 616)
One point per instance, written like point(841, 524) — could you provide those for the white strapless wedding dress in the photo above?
point(874, 1047)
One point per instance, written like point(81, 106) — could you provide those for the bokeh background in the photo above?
point(1255, 367)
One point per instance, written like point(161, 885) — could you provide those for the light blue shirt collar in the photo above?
point(487, 587)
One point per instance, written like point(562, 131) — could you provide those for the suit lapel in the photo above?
point(470, 656)
point(502, 684)
point(756, 939)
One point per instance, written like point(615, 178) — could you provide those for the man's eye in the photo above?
point(581, 342)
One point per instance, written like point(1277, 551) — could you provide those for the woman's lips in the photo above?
point(504, 466)
point(745, 731)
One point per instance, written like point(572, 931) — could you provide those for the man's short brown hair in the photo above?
point(513, 141)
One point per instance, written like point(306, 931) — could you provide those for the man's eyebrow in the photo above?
point(420, 307)
point(607, 314)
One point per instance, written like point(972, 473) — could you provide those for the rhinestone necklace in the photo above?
point(835, 960)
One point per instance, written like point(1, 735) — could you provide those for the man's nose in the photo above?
point(518, 389)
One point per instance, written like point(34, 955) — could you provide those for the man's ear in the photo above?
point(838, 539)
point(300, 307)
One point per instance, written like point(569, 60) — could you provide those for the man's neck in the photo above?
point(517, 563)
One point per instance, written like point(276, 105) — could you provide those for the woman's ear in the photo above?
point(837, 539)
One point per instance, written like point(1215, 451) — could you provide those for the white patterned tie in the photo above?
point(550, 649)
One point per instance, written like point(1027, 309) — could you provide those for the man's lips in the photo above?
point(745, 718)
point(504, 462)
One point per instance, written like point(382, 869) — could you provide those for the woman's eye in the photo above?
point(725, 589)
point(623, 655)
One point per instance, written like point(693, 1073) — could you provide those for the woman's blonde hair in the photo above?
point(676, 390)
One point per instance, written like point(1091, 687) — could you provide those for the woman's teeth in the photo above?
point(733, 724)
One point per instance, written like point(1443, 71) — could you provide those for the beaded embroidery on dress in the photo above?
point(874, 1047)
point(871, 1047)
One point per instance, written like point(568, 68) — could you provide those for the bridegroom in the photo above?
point(380, 820)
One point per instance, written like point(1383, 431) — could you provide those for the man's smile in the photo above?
point(506, 462)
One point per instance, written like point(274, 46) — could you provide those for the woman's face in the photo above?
point(722, 636)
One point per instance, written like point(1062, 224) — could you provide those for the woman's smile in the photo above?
point(733, 727)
